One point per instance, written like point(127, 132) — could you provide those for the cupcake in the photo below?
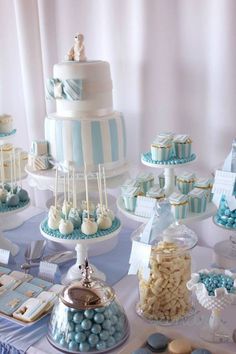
point(182, 146)
point(161, 149)
point(197, 200)
point(179, 205)
point(156, 192)
point(130, 183)
point(130, 197)
point(185, 182)
point(146, 181)
point(205, 184)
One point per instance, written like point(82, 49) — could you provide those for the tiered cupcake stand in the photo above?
point(169, 187)
point(9, 216)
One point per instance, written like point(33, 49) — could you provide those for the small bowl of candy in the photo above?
point(215, 289)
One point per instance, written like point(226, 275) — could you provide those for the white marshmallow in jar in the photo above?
point(163, 296)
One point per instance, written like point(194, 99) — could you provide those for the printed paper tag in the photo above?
point(224, 183)
point(144, 206)
point(4, 256)
point(146, 234)
point(139, 257)
point(48, 270)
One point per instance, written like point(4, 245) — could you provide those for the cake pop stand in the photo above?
point(10, 220)
point(45, 179)
point(5, 136)
point(81, 243)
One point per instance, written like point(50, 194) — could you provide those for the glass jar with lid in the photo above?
point(87, 317)
point(163, 295)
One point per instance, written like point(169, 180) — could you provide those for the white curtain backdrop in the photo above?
point(172, 63)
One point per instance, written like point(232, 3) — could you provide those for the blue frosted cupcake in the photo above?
point(206, 184)
point(182, 146)
point(197, 201)
point(130, 197)
point(145, 181)
point(161, 149)
point(185, 182)
point(179, 205)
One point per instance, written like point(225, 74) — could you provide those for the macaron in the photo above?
point(180, 346)
point(201, 351)
point(142, 351)
point(157, 342)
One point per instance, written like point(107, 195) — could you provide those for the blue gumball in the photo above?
point(111, 330)
point(110, 342)
point(63, 342)
point(78, 328)
point(107, 324)
point(71, 336)
point(80, 337)
point(73, 345)
point(93, 339)
point(99, 318)
point(86, 324)
point(89, 314)
point(104, 335)
point(71, 326)
point(118, 336)
point(84, 347)
point(96, 328)
point(101, 345)
point(78, 317)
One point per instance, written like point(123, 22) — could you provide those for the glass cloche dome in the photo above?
point(87, 317)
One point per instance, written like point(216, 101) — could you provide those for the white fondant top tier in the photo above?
point(96, 88)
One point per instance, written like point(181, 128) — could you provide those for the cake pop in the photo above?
point(104, 221)
point(74, 217)
point(89, 227)
point(22, 194)
point(66, 227)
point(54, 218)
point(3, 195)
point(12, 200)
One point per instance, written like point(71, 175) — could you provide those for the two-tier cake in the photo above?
point(85, 128)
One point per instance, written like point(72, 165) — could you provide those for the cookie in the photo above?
point(8, 282)
point(45, 285)
point(10, 301)
point(201, 351)
point(157, 342)
point(48, 296)
point(29, 290)
point(180, 346)
point(21, 276)
point(30, 310)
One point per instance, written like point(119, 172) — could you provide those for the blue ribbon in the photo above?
point(70, 89)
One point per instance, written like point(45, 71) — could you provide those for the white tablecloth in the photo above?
point(127, 292)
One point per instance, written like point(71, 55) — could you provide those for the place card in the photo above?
point(4, 256)
point(146, 234)
point(139, 257)
point(224, 183)
point(145, 206)
point(48, 271)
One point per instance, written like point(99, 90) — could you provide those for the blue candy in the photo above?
point(99, 318)
point(110, 342)
point(93, 339)
point(86, 324)
point(84, 347)
point(80, 337)
point(101, 345)
point(73, 345)
point(78, 317)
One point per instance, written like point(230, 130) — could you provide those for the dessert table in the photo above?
point(115, 265)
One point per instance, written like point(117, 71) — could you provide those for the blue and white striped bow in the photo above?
point(70, 89)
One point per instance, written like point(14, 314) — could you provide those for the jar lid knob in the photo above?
point(86, 272)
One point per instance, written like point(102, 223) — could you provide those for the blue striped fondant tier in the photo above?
point(147, 157)
point(77, 234)
point(4, 208)
point(91, 140)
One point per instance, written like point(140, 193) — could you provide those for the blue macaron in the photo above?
point(157, 342)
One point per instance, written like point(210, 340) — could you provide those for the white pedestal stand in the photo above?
point(74, 273)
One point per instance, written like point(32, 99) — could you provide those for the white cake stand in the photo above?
point(192, 217)
point(82, 247)
point(5, 136)
point(45, 179)
point(169, 169)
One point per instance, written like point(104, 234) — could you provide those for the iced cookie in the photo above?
point(49, 297)
point(30, 310)
point(29, 290)
point(8, 282)
point(157, 342)
point(10, 301)
point(45, 285)
point(180, 346)
point(21, 276)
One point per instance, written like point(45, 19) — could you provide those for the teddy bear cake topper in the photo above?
point(77, 52)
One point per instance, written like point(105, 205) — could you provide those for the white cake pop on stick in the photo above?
point(74, 214)
point(89, 226)
point(109, 212)
point(12, 200)
point(22, 193)
point(54, 215)
point(104, 221)
point(3, 192)
point(66, 227)
point(66, 205)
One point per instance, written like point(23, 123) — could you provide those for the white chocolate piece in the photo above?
point(89, 227)
point(104, 222)
point(66, 227)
